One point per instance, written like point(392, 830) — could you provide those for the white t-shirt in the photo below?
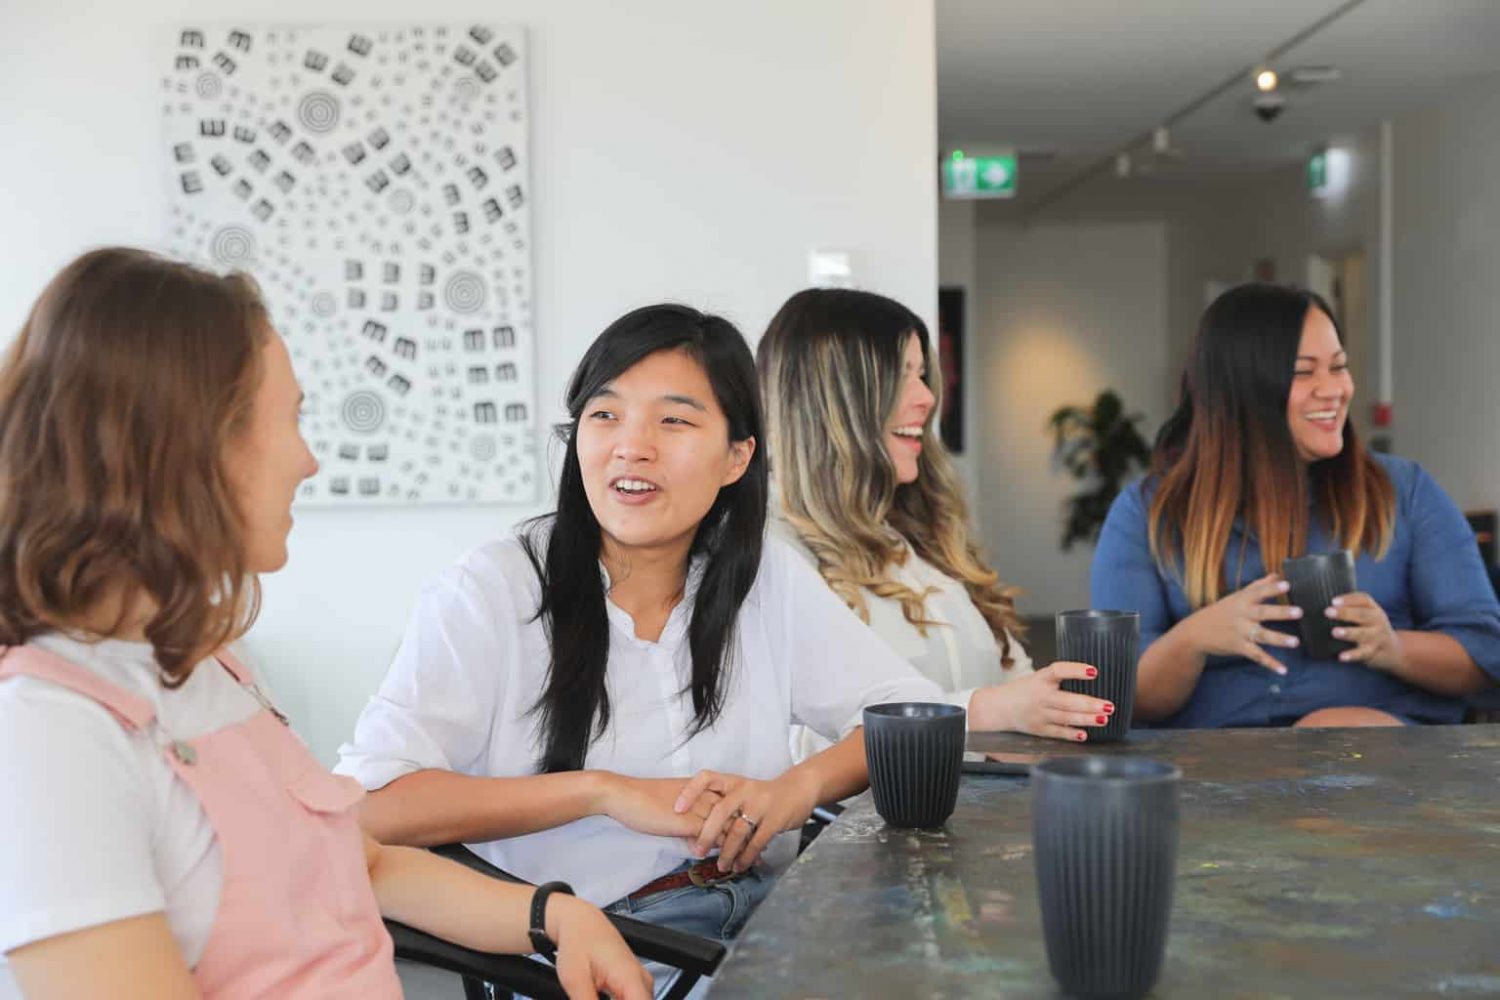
point(459, 696)
point(97, 826)
point(959, 655)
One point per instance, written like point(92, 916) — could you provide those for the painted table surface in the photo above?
point(1340, 862)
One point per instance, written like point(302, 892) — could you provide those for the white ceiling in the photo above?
point(1079, 77)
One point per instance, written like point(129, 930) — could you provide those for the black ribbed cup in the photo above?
point(914, 750)
point(1109, 641)
point(1315, 581)
point(1104, 833)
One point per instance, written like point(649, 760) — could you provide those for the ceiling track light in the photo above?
point(1265, 80)
point(1120, 153)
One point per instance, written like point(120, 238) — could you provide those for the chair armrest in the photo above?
point(699, 956)
point(823, 815)
point(467, 858)
point(680, 950)
point(518, 974)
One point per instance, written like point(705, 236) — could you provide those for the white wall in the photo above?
point(1064, 311)
point(683, 150)
point(1446, 262)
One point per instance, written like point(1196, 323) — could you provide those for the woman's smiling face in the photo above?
point(1322, 388)
point(908, 422)
point(654, 451)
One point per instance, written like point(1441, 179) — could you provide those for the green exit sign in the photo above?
point(1317, 174)
point(979, 176)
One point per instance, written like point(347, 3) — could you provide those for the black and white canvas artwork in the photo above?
point(374, 181)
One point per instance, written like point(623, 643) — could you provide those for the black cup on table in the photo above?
point(914, 750)
point(1110, 642)
point(1315, 581)
point(1104, 835)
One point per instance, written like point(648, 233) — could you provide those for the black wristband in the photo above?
point(538, 930)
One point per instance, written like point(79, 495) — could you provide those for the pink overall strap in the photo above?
point(233, 664)
point(133, 711)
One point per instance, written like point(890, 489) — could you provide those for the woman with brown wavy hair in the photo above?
point(1260, 463)
point(166, 834)
point(866, 491)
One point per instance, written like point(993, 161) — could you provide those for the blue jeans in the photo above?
point(715, 911)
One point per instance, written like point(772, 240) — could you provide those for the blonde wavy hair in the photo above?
point(118, 400)
point(830, 368)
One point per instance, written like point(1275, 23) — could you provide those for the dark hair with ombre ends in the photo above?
point(564, 546)
point(1227, 452)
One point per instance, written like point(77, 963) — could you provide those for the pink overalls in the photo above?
point(297, 916)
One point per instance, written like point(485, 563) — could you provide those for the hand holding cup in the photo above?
point(1109, 641)
point(1367, 627)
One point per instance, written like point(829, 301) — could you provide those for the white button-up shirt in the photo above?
point(459, 696)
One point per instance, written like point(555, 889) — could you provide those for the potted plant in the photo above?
point(1101, 447)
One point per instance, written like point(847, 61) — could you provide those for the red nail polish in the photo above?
point(1081, 737)
point(1101, 719)
point(1108, 708)
point(1093, 672)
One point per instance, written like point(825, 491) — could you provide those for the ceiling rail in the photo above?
point(1106, 161)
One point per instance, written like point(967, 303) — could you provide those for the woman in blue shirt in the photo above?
point(1260, 463)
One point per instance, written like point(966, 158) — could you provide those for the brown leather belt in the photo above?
point(701, 873)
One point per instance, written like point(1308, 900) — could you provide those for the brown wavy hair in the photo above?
point(830, 368)
point(129, 380)
point(1228, 453)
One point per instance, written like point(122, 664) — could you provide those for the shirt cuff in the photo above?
point(375, 774)
point(961, 699)
point(1478, 642)
point(39, 925)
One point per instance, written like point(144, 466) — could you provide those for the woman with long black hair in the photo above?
point(1260, 463)
point(556, 692)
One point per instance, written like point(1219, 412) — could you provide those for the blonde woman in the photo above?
point(867, 494)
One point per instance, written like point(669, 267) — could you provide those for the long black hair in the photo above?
point(573, 708)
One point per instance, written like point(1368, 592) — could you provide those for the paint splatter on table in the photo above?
point(1347, 862)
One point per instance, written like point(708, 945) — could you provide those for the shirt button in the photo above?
point(1275, 688)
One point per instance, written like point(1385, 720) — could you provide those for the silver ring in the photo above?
point(739, 814)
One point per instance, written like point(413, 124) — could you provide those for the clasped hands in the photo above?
point(734, 814)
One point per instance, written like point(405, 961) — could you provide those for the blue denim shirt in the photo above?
point(1432, 579)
